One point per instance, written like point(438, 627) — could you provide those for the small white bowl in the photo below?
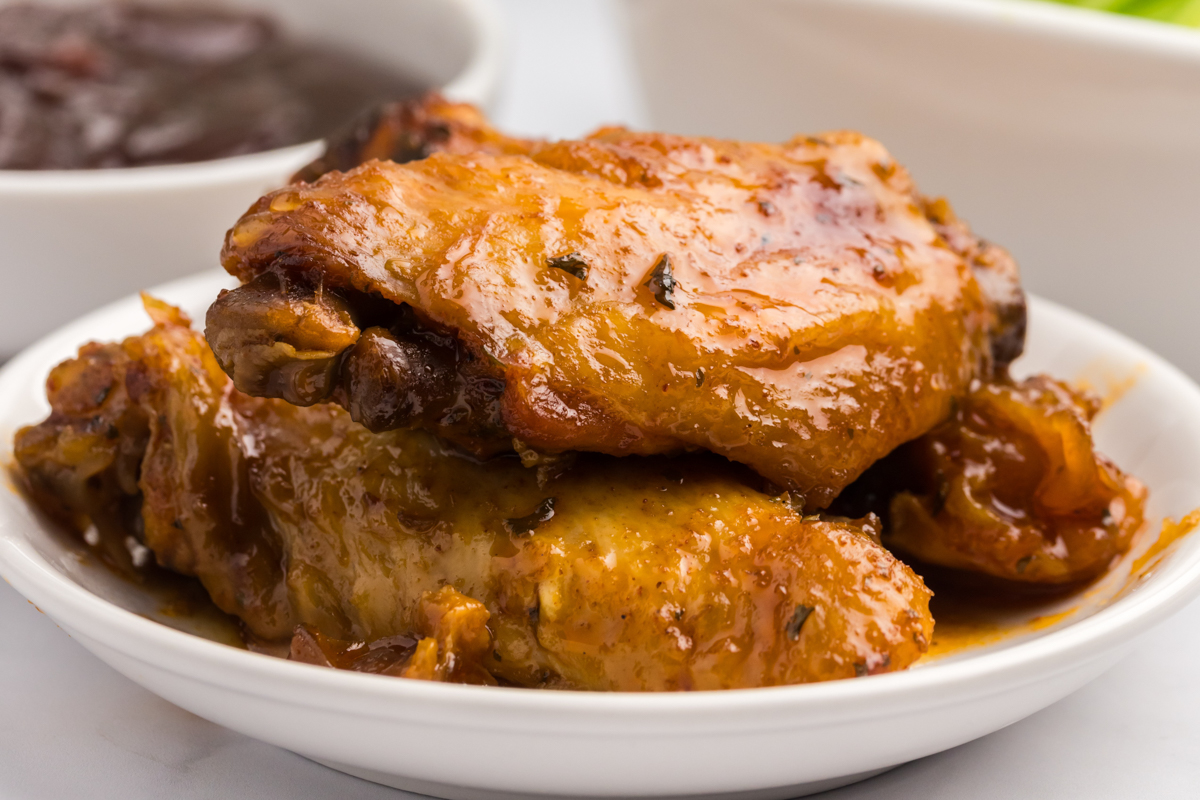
point(1070, 136)
point(476, 742)
point(73, 239)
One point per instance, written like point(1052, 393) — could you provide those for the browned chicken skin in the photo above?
point(410, 130)
point(591, 573)
point(797, 308)
point(1010, 485)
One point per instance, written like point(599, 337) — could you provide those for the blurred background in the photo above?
point(569, 69)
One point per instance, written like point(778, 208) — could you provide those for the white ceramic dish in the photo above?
point(473, 742)
point(1050, 127)
point(75, 239)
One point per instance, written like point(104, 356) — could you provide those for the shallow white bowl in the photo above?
point(1070, 136)
point(472, 742)
point(73, 239)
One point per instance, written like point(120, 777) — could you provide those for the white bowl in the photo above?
point(473, 742)
point(73, 239)
point(1070, 136)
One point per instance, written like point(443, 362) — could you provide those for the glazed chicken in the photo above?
point(1010, 485)
point(394, 552)
point(797, 308)
point(410, 130)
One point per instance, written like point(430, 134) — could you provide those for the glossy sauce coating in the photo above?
point(594, 573)
point(815, 318)
point(1011, 486)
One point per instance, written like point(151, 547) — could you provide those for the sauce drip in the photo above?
point(972, 611)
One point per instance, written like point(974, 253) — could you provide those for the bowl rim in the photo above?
point(1039, 17)
point(474, 83)
point(208, 662)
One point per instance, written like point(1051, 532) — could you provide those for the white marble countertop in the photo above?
point(70, 727)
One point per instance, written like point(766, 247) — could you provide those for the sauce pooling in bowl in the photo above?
point(121, 85)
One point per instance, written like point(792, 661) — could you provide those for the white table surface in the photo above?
point(70, 727)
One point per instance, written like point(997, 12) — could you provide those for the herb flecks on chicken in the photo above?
point(833, 312)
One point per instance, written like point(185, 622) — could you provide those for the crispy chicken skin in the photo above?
point(140, 441)
point(409, 130)
point(586, 572)
point(1011, 486)
point(797, 308)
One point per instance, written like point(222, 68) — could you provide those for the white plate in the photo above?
point(469, 742)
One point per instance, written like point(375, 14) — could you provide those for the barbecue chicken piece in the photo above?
point(1010, 486)
point(587, 572)
point(797, 308)
point(408, 130)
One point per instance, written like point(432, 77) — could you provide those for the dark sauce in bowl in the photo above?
point(123, 85)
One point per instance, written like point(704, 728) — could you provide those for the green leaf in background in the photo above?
point(1182, 12)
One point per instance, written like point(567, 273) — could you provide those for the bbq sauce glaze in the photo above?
point(121, 85)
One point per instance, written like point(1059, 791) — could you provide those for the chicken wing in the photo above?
point(1011, 486)
point(797, 308)
point(586, 572)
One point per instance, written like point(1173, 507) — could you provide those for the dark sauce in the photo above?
point(121, 85)
point(973, 610)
